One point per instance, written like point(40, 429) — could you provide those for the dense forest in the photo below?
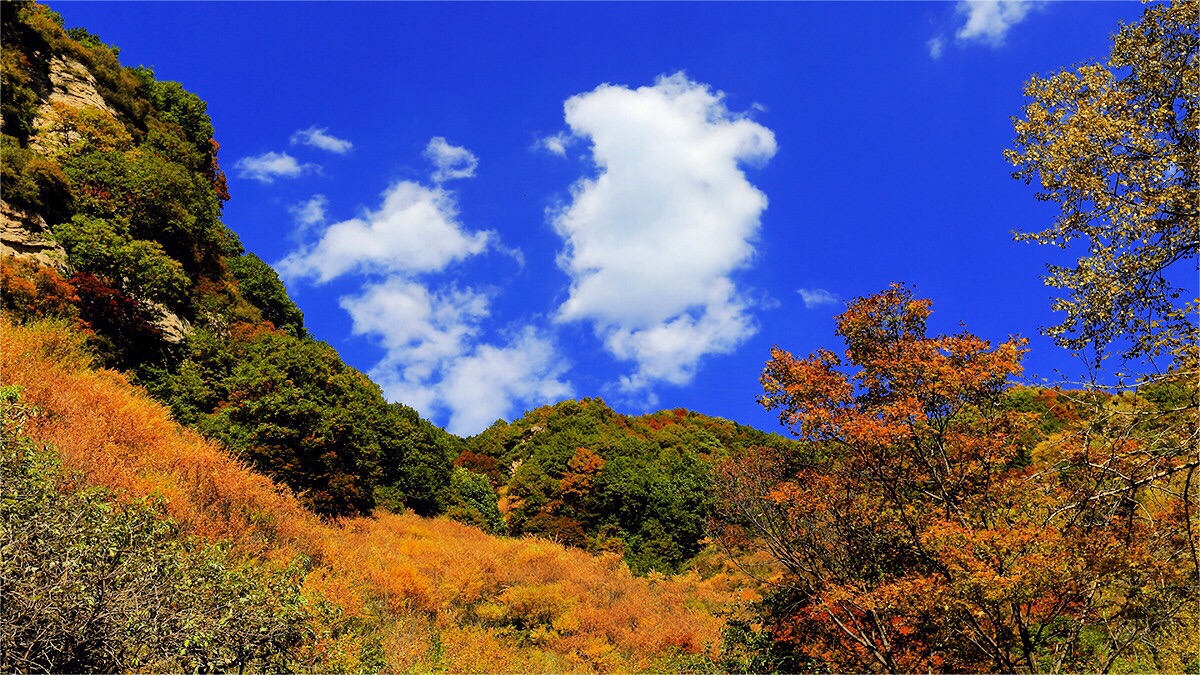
point(191, 481)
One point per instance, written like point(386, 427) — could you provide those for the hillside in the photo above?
point(394, 591)
point(580, 473)
point(189, 481)
point(170, 375)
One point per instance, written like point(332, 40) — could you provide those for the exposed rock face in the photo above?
point(26, 235)
point(174, 329)
point(71, 85)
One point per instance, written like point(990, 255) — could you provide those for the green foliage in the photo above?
point(18, 75)
point(302, 416)
point(416, 459)
point(160, 200)
point(32, 182)
point(584, 475)
point(90, 40)
point(90, 585)
point(473, 501)
point(180, 106)
point(261, 285)
point(139, 267)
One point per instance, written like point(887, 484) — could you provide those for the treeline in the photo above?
point(581, 474)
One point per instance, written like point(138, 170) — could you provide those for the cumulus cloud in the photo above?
point(432, 360)
point(265, 168)
point(415, 230)
point(450, 161)
point(816, 297)
point(989, 20)
point(321, 139)
point(418, 329)
point(491, 383)
point(652, 239)
point(436, 356)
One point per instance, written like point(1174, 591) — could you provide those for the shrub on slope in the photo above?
point(395, 592)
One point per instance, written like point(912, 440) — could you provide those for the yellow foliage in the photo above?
point(430, 594)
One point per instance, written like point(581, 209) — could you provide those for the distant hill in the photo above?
point(580, 473)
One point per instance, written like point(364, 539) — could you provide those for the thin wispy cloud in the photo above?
point(308, 215)
point(936, 46)
point(556, 144)
point(652, 240)
point(985, 22)
point(816, 297)
point(321, 139)
point(267, 167)
point(450, 161)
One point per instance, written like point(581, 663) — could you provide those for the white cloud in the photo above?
point(265, 168)
point(415, 230)
point(435, 358)
point(418, 329)
point(652, 240)
point(936, 46)
point(989, 20)
point(308, 215)
point(450, 161)
point(492, 382)
point(432, 361)
point(815, 297)
point(556, 144)
point(319, 138)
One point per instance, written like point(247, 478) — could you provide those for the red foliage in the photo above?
point(488, 466)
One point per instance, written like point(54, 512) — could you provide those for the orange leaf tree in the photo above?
point(920, 530)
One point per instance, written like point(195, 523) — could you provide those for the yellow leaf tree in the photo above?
point(1116, 147)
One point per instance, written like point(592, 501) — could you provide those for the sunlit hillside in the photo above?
point(419, 594)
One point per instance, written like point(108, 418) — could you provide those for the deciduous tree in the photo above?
point(923, 530)
point(1115, 146)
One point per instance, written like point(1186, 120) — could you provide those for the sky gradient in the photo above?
point(489, 207)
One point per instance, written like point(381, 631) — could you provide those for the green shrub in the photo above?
point(93, 585)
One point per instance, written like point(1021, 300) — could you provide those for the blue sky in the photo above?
point(489, 207)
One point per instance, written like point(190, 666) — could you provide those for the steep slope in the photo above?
point(111, 217)
point(396, 591)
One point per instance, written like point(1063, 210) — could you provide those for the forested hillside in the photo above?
point(191, 481)
point(111, 177)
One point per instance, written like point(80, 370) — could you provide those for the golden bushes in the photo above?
point(398, 592)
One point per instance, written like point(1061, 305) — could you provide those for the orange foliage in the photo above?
point(34, 291)
point(438, 594)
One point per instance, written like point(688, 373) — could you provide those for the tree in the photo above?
point(921, 529)
point(300, 415)
point(1116, 147)
point(261, 285)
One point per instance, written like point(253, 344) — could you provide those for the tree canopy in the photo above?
point(1116, 148)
